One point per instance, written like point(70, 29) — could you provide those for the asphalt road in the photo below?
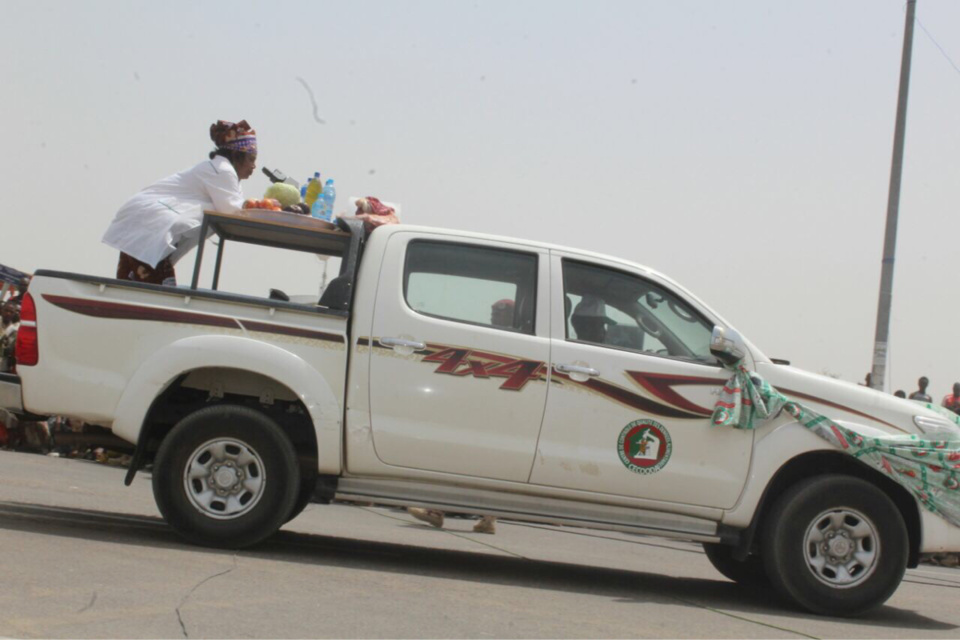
point(83, 556)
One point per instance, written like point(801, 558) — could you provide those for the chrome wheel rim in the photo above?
point(842, 547)
point(224, 478)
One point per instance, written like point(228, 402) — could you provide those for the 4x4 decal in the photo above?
point(458, 362)
point(463, 362)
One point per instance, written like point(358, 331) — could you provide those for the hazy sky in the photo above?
point(741, 147)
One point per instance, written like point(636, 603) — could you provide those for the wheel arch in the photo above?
point(819, 462)
point(193, 372)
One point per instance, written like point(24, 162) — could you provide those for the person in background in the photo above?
point(9, 323)
point(900, 393)
point(7, 423)
point(921, 395)
point(159, 225)
point(590, 319)
point(21, 290)
point(952, 401)
point(501, 315)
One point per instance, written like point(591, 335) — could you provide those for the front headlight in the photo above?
point(931, 425)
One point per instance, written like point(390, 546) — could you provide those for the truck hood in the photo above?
point(846, 402)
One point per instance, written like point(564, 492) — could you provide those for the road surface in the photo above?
point(83, 556)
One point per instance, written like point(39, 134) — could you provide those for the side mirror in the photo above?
point(727, 345)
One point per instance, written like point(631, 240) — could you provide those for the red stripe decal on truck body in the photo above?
point(122, 311)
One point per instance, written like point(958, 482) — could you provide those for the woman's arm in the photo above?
point(223, 187)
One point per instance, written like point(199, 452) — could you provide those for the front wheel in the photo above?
point(226, 476)
point(748, 572)
point(835, 545)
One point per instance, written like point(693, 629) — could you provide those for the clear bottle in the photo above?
point(316, 210)
point(313, 190)
point(329, 196)
point(323, 207)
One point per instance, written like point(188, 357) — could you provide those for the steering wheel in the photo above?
point(681, 312)
point(646, 327)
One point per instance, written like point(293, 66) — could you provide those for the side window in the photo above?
point(614, 309)
point(472, 284)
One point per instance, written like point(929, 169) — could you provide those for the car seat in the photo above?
point(337, 294)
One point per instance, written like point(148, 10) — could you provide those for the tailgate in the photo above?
point(10, 397)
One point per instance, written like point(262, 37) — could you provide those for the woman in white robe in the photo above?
point(159, 225)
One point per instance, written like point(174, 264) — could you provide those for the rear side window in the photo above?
point(472, 284)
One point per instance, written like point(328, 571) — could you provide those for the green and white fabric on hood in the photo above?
point(928, 468)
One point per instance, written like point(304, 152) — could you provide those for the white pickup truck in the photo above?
point(475, 374)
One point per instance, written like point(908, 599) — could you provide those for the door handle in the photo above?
point(400, 342)
point(576, 369)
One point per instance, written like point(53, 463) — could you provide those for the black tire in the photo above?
point(308, 483)
point(246, 444)
point(749, 572)
point(830, 509)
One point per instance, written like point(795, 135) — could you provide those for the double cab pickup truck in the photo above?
point(476, 374)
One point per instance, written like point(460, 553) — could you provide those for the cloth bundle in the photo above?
point(375, 213)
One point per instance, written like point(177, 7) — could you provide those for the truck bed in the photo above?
point(101, 331)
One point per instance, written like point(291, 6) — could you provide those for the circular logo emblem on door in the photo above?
point(644, 446)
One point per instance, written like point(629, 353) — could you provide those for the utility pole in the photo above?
point(878, 374)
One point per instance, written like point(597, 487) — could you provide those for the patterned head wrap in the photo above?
point(234, 135)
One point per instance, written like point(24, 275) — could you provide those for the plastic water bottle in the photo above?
point(313, 190)
point(323, 207)
point(329, 196)
point(316, 210)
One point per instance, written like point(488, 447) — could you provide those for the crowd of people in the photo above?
point(950, 401)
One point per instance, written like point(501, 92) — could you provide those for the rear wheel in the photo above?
point(308, 483)
point(748, 572)
point(835, 545)
point(226, 476)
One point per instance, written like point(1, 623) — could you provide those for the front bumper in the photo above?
point(10, 397)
